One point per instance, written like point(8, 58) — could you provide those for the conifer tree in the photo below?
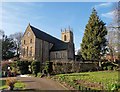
point(93, 44)
point(7, 48)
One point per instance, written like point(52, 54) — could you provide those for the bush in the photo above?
point(39, 74)
point(109, 67)
point(23, 66)
point(19, 85)
point(13, 68)
point(48, 67)
point(35, 67)
point(115, 68)
point(104, 68)
point(10, 82)
point(5, 65)
point(113, 87)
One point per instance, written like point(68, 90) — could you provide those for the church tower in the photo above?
point(67, 35)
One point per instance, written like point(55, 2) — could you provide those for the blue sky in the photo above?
point(51, 17)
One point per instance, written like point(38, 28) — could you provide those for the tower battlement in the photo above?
point(67, 35)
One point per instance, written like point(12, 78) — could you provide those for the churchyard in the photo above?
point(96, 66)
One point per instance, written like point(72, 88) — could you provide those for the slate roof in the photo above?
point(58, 44)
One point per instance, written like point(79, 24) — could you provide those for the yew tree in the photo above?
point(94, 41)
point(7, 47)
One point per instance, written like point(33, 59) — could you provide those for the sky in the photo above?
point(51, 17)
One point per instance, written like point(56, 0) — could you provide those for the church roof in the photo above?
point(58, 44)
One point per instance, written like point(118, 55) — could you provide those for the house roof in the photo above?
point(58, 44)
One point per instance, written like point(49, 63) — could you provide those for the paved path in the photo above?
point(41, 83)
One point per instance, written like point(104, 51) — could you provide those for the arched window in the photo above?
point(56, 55)
point(30, 51)
point(65, 38)
point(23, 51)
point(27, 51)
point(24, 41)
point(30, 40)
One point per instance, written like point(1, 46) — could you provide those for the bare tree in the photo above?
point(114, 32)
point(17, 39)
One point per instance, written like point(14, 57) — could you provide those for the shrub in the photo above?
point(5, 65)
point(48, 67)
point(113, 87)
point(35, 67)
point(104, 68)
point(10, 82)
point(109, 67)
point(115, 68)
point(12, 70)
point(23, 66)
point(39, 74)
point(19, 85)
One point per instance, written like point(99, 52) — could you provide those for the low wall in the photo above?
point(72, 66)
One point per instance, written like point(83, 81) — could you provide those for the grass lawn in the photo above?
point(101, 80)
point(17, 85)
point(2, 82)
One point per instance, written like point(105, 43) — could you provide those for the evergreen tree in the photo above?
point(7, 48)
point(93, 44)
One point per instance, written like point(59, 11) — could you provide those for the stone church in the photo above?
point(40, 46)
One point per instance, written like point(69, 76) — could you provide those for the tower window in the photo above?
point(65, 38)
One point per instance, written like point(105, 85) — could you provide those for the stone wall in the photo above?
point(72, 66)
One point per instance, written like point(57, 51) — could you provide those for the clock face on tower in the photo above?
point(28, 34)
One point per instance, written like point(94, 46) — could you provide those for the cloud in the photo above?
point(110, 14)
point(103, 5)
